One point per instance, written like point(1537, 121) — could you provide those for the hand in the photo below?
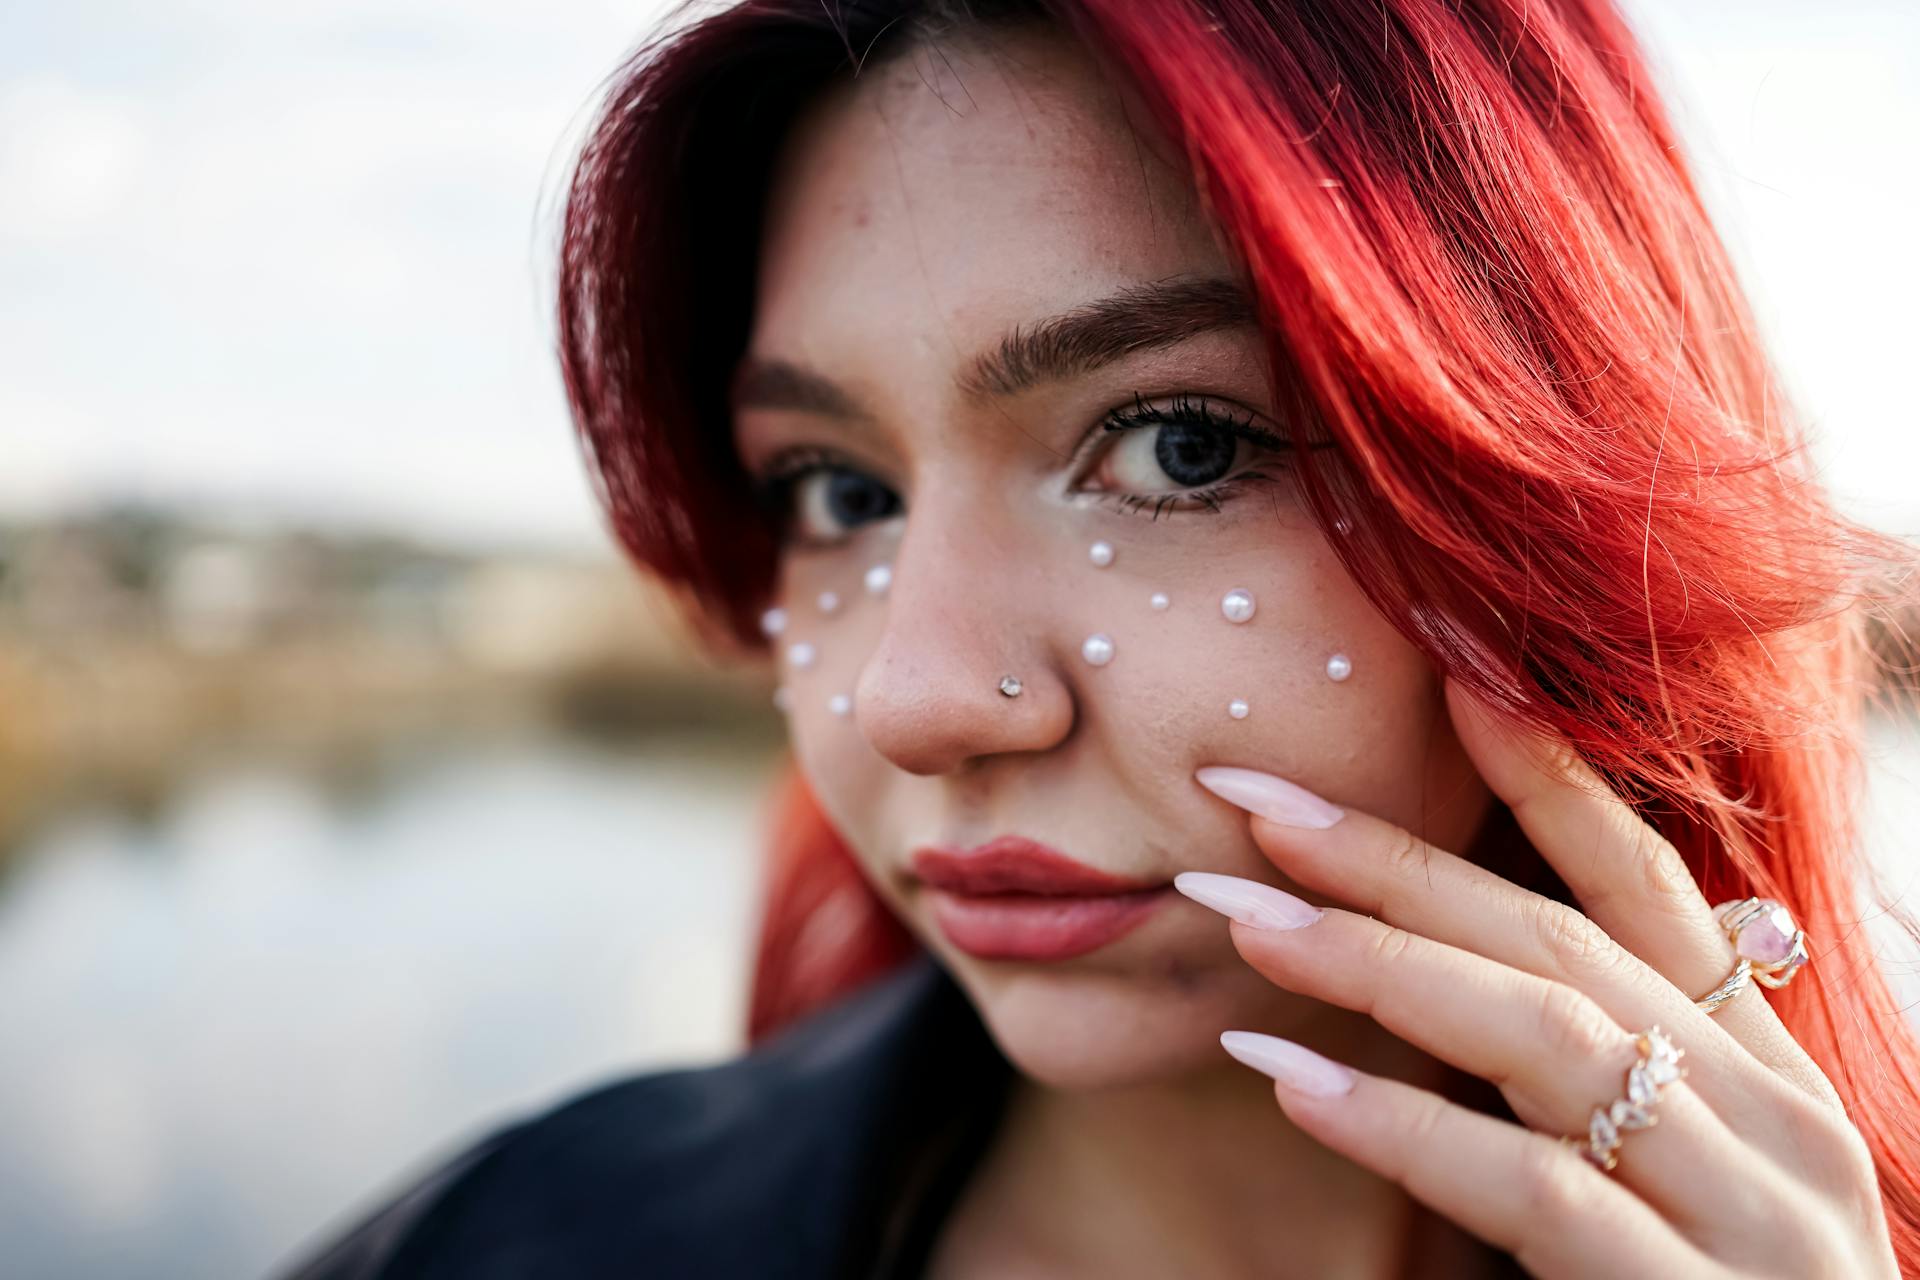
point(1752, 1167)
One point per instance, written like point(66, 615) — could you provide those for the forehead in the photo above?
point(955, 190)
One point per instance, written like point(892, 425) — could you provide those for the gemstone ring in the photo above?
point(1659, 1066)
point(1768, 947)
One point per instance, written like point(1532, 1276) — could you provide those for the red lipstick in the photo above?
point(1017, 899)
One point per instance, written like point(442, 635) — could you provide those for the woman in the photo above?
point(1172, 452)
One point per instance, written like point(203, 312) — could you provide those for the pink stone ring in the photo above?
point(1768, 947)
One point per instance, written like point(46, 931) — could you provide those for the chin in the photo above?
point(1071, 1028)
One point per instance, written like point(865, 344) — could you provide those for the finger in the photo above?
point(1382, 870)
point(1628, 877)
point(1519, 1191)
point(1553, 1052)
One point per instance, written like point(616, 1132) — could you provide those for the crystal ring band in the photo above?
point(1658, 1066)
point(1768, 947)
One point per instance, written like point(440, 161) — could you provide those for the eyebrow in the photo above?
point(1070, 345)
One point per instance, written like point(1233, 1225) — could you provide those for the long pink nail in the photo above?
point(1248, 901)
point(1276, 799)
point(1293, 1065)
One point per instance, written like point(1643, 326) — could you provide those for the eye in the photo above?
point(1182, 450)
point(820, 500)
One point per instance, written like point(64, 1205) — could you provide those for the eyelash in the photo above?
point(1188, 411)
point(774, 486)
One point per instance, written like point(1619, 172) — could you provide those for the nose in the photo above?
point(960, 620)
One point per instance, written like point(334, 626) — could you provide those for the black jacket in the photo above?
point(833, 1149)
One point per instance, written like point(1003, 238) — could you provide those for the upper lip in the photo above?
point(1015, 864)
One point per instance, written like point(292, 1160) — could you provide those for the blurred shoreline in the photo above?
point(137, 647)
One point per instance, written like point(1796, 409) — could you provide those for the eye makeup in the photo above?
point(820, 496)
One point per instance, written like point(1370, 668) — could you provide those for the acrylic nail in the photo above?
point(1248, 901)
point(1275, 799)
point(1293, 1065)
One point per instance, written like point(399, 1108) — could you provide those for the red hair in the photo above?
point(1567, 469)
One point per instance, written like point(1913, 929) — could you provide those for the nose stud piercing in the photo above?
point(1339, 667)
point(1101, 553)
point(1237, 605)
point(1097, 649)
point(1010, 685)
point(878, 579)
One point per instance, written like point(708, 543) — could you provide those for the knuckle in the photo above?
point(1423, 1127)
point(1831, 1140)
point(1554, 1182)
point(1406, 855)
point(1663, 871)
point(1570, 937)
point(1574, 1026)
point(1389, 946)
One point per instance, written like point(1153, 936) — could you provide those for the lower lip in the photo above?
point(1022, 926)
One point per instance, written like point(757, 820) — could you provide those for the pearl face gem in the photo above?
point(878, 579)
point(1097, 649)
point(1339, 667)
point(782, 700)
point(1159, 600)
point(801, 654)
point(1010, 685)
point(1238, 708)
point(773, 622)
point(829, 601)
point(1101, 553)
point(1237, 604)
point(840, 704)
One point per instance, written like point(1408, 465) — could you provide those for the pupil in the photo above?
point(1192, 455)
point(855, 499)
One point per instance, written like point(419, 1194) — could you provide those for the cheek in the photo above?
point(1314, 685)
point(1187, 685)
point(851, 781)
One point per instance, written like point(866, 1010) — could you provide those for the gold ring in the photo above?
point(1768, 947)
point(1658, 1066)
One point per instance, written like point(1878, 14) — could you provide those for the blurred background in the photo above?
point(353, 795)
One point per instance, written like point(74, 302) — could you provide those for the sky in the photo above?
point(293, 260)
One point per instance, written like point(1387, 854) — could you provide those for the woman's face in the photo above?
point(910, 385)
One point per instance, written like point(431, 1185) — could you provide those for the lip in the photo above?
point(1015, 864)
point(1017, 899)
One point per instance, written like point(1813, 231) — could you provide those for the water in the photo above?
point(246, 1016)
point(229, 1024)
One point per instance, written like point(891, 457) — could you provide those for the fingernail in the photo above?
point(1272, 798)
point(1293, 1065)
point(1248, 901)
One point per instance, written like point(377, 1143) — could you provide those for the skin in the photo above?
point(916, 216)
